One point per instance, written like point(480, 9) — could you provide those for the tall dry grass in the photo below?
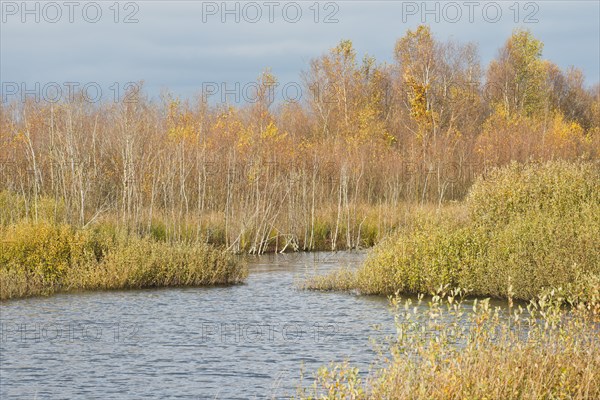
point(45, 258)
point(453, 349)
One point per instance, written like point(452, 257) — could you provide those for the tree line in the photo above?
point(324, 172)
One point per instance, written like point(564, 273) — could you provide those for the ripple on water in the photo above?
point(246, 341)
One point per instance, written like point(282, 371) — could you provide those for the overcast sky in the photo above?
point(181, 44)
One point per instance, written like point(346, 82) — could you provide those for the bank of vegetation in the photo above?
point(448, 348)
point(46, 257)
point(366, 147)
point(531, 228)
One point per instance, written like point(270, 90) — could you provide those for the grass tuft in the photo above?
point(45, 258)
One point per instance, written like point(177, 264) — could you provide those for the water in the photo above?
point(240, 342)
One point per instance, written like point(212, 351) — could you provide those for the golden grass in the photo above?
point(45, 258)
point(451, 350)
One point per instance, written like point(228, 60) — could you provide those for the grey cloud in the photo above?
point(171, 46)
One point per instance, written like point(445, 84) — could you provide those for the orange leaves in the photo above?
point(565, 138)
point(369, 128)
point(507, 137)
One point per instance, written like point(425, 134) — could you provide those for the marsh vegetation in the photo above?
point(454, 349)
point(331, 171)
point(45, 257)
point(460, 176)
point(525, 232)
point(528, 227)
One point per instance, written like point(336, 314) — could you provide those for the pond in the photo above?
point(239, 342)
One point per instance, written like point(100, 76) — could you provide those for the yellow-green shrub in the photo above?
point(44, 258)
point(145, 263)
point(557, 188)
point(533, 227)
point(44, 251)
point(448, 349)
point(539, 227)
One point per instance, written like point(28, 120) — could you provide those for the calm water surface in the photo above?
point(247, 341)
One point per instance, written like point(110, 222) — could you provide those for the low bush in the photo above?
point(450, 348)
point(532, 227)
point(45, 258)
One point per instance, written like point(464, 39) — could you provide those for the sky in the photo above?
point(181, 46)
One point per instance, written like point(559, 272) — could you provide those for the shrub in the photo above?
point(556, 188)
point(450, 348)
point(539, 227)
point(44, 258)
point(532, 227)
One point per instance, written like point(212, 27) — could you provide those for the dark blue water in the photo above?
point(247, 341)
